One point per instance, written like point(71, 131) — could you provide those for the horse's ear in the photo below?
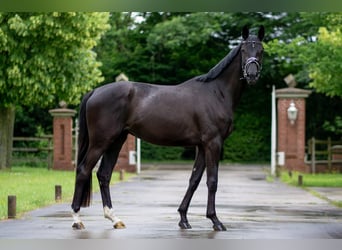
point(245, 32)
point(261, 32)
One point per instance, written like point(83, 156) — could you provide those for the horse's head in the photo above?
point(251, 52)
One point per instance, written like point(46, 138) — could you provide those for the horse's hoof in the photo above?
point(119, 225)
point(78, 226)
point(184, 225)
point(219, 227)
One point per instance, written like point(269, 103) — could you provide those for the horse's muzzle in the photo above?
point(251, 70)
point(251, 81)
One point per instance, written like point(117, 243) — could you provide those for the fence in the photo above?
point(326, 152)
point(33, 150)
point(38, 150)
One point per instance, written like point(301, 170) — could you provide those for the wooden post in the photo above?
point(329, 155)
point(58, 193)
point(122, 173)
point(313, 155)
point(300, 180)
point(12, 207)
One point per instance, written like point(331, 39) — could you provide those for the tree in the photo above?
point(45, 58)
point(325, 72)
point(317, 57)
point(116, 45)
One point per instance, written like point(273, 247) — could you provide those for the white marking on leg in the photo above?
point(76, 217)
point(109, 214)
point(77, 221)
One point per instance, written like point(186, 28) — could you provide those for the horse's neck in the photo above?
point(230, 83)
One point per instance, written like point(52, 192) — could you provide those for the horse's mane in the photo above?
point(218, 68)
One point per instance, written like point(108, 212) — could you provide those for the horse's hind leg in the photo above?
point(195, 179)
point(82, 192)
point(104, 175)
point(212, 156)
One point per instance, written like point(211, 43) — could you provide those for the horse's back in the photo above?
point(111, 90)
point(165, 115)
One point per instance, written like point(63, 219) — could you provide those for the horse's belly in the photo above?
point(166, 132)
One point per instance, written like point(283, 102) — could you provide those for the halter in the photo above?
point(249, 61)
point(248, 64)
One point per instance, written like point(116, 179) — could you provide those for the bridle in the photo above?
point(249, 62)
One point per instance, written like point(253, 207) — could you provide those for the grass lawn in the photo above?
point(313, 180)
point(35, 187)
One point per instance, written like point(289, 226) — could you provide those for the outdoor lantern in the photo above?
point(292, 112)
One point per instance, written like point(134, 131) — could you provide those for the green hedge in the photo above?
point(247, 143)
point(150, 152)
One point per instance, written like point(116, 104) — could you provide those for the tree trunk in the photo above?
point(7, 115)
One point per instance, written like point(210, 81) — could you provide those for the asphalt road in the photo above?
point(246, 203)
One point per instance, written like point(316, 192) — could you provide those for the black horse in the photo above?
point(198, 112)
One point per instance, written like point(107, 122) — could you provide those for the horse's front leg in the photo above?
point(212, 156)
point(195, 179)
point(77, 224)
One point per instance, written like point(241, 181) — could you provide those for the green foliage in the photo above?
point(334, 127)
point(118, 46)
point(48, 57)
point(327, 57)
point(249, 140)
point(317, 56)
point(188, 30)
point(152, 152)
point(32, 120)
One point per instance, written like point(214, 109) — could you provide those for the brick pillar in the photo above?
point(62, 138)
point(127, 158)
point(291, 137)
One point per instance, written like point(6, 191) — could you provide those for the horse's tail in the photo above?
point(83, 144)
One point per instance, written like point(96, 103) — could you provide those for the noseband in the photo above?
point(249, 62)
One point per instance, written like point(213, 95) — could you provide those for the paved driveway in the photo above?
point(247, 204)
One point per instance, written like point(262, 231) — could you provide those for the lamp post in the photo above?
point(292, 113)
